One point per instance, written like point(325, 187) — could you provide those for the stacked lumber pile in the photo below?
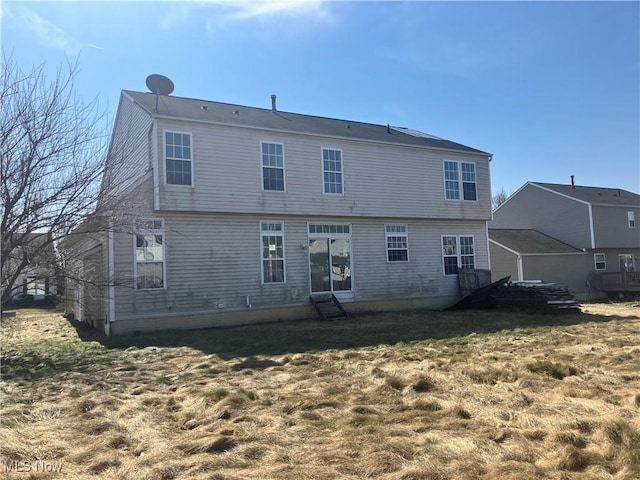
point(535, 295)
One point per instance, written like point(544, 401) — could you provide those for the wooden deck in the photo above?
point(621, 282)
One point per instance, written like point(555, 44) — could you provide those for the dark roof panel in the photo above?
point(526, 241)
point(595, 195)
point(207, 111)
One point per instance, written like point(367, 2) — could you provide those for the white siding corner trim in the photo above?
point(111, 317)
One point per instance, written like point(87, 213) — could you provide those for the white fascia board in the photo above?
point(558, 193)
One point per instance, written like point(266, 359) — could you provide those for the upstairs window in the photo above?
point(272, 166)
point(177, 151)
point(332, 171)
point(631, 219)
point(460, 180)
point(149, 254)
point(397, 243)
point(600, 261)
point(272, 244)
point(457, 252)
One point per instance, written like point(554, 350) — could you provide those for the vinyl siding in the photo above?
point(570, 271)
point(503, 263)
point(214, 263)
point(552, 214)
point(130, 150)
point(611, 227)
point(379, 180)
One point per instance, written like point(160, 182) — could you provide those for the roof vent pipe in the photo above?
point(573, 185)
point(273, 103)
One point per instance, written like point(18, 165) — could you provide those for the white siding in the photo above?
point(213, 264)
point(379, 179)
point(130, 151)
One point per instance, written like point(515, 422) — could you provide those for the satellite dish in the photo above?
point(159, 84)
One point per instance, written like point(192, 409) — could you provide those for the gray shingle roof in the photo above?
point(526, 241)
point(595, 195)
point(208, 111)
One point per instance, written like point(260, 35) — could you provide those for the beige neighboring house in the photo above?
point(586, 238)
point(242, 214)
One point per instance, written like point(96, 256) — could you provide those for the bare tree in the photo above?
point(499, 198)
point(52, 150)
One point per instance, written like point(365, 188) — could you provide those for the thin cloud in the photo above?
point(245, 10)
point(229, 12)
point(45, 32)
point(91, 45)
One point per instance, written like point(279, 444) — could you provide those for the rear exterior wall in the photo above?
point(213, 269)
point(380, 180)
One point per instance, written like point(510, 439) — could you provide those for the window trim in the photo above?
point(631, 219)
point(335, 149)
point(603, 262)
point(164, 155)
point(458, 253)
point(460, 182)
point(404, 235)
point(149, 231)
point(279, 233)
point(263, 166)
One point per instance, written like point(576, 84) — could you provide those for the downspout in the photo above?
point(486, 232)
point(520, 269)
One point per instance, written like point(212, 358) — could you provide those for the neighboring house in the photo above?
point(586, 238)
point(37, 279)
point(240, 214)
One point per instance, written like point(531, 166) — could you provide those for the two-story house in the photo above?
point(223, 214)
point(586, 238)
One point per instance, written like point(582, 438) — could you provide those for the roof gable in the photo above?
point(229, 114)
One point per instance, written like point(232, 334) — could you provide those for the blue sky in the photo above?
point(552, 89)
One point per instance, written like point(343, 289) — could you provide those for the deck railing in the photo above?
point(621, 281)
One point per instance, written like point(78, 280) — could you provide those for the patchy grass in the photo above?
point(464, 395)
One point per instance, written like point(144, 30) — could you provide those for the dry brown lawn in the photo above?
point(417, 396)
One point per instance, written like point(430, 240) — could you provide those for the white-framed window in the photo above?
point(457, 252)
point(332, 177)
point(631, 219)
point(600, 261)
point(460, 180)
point(149, 254)
point(272, 166)
point(272, 252)
point(397, 243)
point(178, 158)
